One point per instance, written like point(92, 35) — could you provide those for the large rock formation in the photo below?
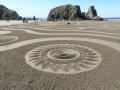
point(91, 13)
point(70, 12)
point(6, 13)
point(65, 12)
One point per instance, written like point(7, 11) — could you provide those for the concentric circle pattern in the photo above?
point(7, 39)
point(63, 54)
point(63, 58)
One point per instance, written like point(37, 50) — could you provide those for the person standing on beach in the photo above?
point(23, 19)
point(34, 18)
point(7, 19)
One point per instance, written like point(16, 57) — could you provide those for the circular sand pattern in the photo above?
point(63, 58)
point(63, 54)
point(7, 39)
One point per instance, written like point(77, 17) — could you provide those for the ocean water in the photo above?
point(109, 19)
point(113, 19)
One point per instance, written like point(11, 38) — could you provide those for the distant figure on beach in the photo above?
point(26, 20)
point(23, 19)
point(34, 18)
point(7, 19)
point(105, 19)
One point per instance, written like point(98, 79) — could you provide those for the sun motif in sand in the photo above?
point(63, 58)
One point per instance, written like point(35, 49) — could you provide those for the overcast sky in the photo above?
point(41, 8)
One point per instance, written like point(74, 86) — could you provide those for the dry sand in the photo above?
point(45, 55)
point(12, 22)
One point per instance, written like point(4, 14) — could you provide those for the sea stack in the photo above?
point(65, 12)
point(6, 13)
point(92, 14)
point(72, 13)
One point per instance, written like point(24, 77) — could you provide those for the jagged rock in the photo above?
point(83, 15)
point(20, 18)
point(91, 13)
point(6, 13)
point(97, 18)
point(70, 12)
point(65, 12)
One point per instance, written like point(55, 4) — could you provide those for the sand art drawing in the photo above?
point(7, 39)
point(63, 58)
point(72, 34)
point(61, 50)
point(53, 58)
point(4, 32)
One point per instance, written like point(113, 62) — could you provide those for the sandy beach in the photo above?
point(46, 55)
point(12, 22)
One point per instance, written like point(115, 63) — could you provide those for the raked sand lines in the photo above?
point(81, 54)
point(72, 34)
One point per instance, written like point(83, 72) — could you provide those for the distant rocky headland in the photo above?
point(73, 13)
point(6, 13)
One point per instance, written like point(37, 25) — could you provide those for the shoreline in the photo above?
point(17, 22)
point(12, 22)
